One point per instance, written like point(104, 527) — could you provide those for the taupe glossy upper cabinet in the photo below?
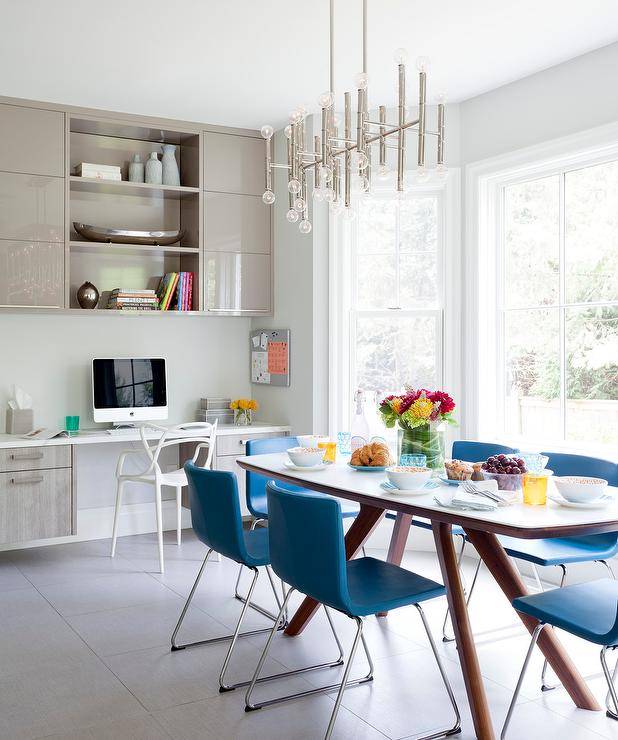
point(233, 164)
point(31, 274)
point(236, 223)
point(31, 207)
point(237, 282)
point(31, 141)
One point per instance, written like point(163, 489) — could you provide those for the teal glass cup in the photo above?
point(71, 424)
point(413, 461)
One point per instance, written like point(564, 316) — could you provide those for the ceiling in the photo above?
point(244, 63)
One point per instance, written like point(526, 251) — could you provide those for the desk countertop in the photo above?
point(100, 436)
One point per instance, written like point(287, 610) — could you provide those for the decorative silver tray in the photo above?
point(126, 236)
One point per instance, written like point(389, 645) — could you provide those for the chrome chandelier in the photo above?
point(342, 162)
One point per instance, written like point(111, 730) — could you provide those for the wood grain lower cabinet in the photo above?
point(35, 504)
point(238, 282)
point(31, 274)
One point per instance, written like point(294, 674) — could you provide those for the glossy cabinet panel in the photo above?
point(31, 140)
point(238, 282)
point(236, 223)
point(31, 208)
point(234, 164)
point(31, 274)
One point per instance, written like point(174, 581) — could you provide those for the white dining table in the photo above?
point(482, 530)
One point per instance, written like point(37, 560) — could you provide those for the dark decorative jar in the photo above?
point(87, 295)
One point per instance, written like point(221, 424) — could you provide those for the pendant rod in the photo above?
point(331, 69)
point(365, 36)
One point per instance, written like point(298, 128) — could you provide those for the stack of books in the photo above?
point(175, 291)
point(133, 299)
point(98, 171)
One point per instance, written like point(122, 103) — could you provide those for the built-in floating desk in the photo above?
point(65, 487)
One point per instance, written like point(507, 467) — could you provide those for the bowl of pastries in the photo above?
point(373, 457)
point(458, 470)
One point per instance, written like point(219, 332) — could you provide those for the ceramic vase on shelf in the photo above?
point(171, 176)
point(154, 170)
point(136, 169)
point(427, 440)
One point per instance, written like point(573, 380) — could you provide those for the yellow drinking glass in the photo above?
point(331, 451)
point(535, 488)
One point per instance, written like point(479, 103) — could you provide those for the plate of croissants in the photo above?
point(374, 457)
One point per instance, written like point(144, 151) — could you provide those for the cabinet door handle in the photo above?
point(35, 456)
point(242, 442)
point(23, 481)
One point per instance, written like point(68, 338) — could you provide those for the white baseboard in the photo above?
point(96, 524)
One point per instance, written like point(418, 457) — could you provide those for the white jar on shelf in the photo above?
point(171, 176)
point(154, 170)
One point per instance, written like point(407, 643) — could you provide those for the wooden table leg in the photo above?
point(468, 658)
point(401, 530)
point(500, 566)
point(367, 520)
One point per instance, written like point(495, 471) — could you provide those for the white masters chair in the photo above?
point(201, 433)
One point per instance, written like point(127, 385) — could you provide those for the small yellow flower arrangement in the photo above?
point(243, 410)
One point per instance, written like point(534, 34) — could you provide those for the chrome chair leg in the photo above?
point(533, 641)
point(249, 706)
point(545, 686)
point(447, 685)
point(242, 599)
point(612, 713)
point(445, 637)
point(176, 646)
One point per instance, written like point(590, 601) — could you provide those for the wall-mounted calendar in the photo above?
point(270, 356)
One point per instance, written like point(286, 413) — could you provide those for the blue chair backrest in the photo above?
point(469, 451)
point(215, 510)
point(307, 548)
point(255, 485)
point(596, 467)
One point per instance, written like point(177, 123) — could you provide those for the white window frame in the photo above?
point(342, 283)
point(484, 380)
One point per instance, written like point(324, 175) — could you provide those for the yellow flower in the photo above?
point(422, 408)
point(254, 405)
point(396, 404)
point(234, 405)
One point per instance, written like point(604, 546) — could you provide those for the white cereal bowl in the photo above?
point(306, 457)
point(307, 440)
point(408, 479)
point(580, 489)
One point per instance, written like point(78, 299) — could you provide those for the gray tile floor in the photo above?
point(84, 654)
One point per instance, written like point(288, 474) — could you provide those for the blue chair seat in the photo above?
point(561, 551)
point(426, 523)
point(375, 586)
point(256, 543)
point(587, 610)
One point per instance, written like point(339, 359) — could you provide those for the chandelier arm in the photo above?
point(422, 93)
point(382, 125)
point(317, 180)
point(440, 157)
point(347, 117)
point(401, 132)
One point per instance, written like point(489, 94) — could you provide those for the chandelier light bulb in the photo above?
point(422, 64)
point(361, 80)
point(350, 214)
point(294, 186)
point(268, 197)
point(300, 204)
point(326, 173)
point(336, 208)
point(292, 216)
point(360, 184)
point(295, 116)
point(359, 160)
point(304, 226)
point(318, 194)
point(329, 195)
point(326, 99)
point(400, 55)
point(441, 99)
point(383, 172)
point(422, 174)
point(287, 131)
point(336, 119)
point(267, 131)
point(441, 171)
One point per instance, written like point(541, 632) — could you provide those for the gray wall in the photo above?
point(49, 356)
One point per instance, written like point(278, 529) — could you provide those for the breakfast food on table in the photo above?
point(408, 477)
point(305, 457)
point(372, 455)
point(508, 471)
point(458, 470)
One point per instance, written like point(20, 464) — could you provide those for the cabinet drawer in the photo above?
point(236, 223)
point(238, 282)
point(35, 458)
point(31, 273)
point(234, 444)
point(31, 208)
point(234, 164)
point(31, 140)
point(35, 505)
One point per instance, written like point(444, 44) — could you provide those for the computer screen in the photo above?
point(129, 383)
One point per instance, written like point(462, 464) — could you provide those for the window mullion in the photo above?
point(561, 304)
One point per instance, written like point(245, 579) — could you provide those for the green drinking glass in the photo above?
point(71, 424)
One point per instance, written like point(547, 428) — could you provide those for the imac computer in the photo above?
point(126, 390)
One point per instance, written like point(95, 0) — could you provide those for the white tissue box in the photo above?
point(19, 421)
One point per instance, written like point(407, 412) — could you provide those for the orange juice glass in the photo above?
point(535, 488)
point(331, 451)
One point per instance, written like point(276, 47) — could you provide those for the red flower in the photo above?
point(446, 402)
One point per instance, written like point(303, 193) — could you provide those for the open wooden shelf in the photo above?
point(120, 187)
point(146, 249)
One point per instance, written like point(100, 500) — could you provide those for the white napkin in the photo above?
point(20, 400)
point(491, 486)
point(464, 501)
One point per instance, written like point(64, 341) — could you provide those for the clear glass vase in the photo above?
point(425, 440)
point(243, 417)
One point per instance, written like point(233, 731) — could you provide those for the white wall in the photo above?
point(49, 356)
point(570, 97)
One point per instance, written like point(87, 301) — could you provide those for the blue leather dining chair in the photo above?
point(587, 610)
point(217, 522)
point(255, 490)
point(356, 588)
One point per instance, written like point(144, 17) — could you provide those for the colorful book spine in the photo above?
point(170, 291)
point(190, 295)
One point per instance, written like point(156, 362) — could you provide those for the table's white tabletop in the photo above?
point(517, 519)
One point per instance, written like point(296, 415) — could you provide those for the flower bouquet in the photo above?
point(243, 410)
point(420, 415)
